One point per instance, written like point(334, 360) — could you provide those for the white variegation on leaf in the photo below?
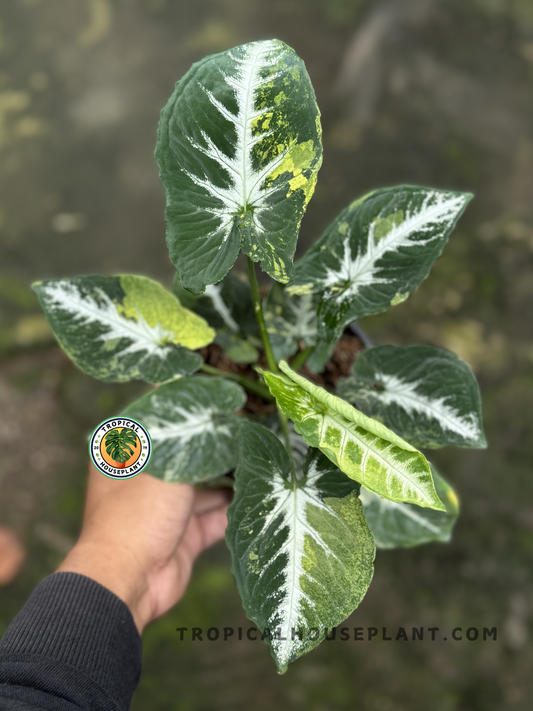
point(239, 147)
point(290, 320)
point(426, 394)
point(302, 552)
point(228, 308)
point(123, 327)
point(376, 253)
point(397, 525)
point(361, 447)
point(213, 292)
point(192, 427)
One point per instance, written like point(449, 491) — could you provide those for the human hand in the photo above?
point(141, 536)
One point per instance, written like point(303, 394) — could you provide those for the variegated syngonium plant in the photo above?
point(239, 147)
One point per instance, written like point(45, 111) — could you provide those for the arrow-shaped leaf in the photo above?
point(123, 327)
point(228, 308)
point(396, 525)
point(362, 448)
point(192, 427)
point(302, 552)
point(376, 253)
point(290, 320)
point(426, 394)
point(239, 148)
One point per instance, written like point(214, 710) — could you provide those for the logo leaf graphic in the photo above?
point(120, 444)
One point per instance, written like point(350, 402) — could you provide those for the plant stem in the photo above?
point(250, 385)
point(286, 434)
point(258, 307)
point(299, 359)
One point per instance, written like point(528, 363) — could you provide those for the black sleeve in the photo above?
point(73, 645)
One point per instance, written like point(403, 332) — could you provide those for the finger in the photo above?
point(208, 499)
point(212, 527)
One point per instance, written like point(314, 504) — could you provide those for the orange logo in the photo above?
point(120, 448)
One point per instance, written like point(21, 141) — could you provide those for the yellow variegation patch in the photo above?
point(148, 300)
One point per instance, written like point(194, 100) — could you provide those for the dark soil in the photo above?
point(342, 359)
point(346, 351)
point(215, 356)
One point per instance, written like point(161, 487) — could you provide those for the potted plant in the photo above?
point(323, 446)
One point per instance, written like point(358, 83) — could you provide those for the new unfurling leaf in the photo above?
point(362, 448)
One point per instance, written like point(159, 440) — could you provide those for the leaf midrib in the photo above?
point(450, 421)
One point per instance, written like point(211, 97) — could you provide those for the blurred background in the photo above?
point(431, 92)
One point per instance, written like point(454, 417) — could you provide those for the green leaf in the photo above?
point(238, 148)
point(186, 298)
point(289, 320)
point(362, 448)
point(302, 552)
point(376, 253)
point(238, 349)
point(123, 327)
point(228, 307)
point(395, 525)
point(299, 446)
point(192, 427)
point(120, 444)
point(321, 355)
point(427, 395)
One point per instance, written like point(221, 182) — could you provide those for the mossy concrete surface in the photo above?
point(421, 92)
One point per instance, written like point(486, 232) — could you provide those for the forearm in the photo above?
point(74, 645)
point(114, 570)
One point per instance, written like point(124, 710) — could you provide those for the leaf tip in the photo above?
point(481, 441)
point(440, 506)
point(284, 367)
